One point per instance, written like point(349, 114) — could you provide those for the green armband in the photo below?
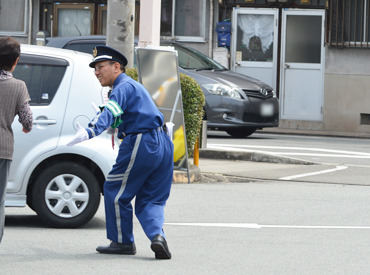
point(114, 108)
point(116, 123)
point(116, 111)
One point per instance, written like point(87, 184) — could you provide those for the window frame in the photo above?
point(201, 38)
point(72, 6)
point(25, 25)
point(100, 23)
point(338, 22)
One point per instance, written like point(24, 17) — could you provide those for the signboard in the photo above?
point(158, 72)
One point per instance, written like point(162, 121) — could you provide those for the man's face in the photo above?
point(105, 72)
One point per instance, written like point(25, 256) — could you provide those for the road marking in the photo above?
point(234, 225)
point(331, 153)
point(322, 155)
point(260, 226)
point(338, 168)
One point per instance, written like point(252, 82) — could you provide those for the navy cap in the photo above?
point(102, 53)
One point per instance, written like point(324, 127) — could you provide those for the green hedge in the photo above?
point(193, 102)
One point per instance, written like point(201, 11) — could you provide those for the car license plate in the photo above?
point(267, 109)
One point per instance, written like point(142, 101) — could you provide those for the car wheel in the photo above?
point(241, 132)
point(66, 195)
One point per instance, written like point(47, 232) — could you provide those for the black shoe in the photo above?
point(159, 246)
point(117, 248)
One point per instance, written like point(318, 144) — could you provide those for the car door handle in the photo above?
point(45, 121)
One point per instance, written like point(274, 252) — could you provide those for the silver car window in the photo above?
point(42, 78)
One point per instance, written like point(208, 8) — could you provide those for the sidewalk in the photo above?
point(226, 166)
point(235, 165)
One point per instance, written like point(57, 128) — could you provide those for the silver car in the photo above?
point(62, 184)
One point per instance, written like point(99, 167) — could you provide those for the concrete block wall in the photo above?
point(347, 90)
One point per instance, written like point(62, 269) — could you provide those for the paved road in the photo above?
point(253, 227)
point(264, 220)
point(322, 149)
point(332, 160)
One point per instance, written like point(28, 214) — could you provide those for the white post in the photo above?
point(150, 22)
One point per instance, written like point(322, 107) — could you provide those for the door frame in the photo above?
point(283, 64)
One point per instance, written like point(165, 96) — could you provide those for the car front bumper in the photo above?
point(223, 112)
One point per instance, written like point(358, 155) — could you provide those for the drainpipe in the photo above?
point(30, 23)
point(210, 42)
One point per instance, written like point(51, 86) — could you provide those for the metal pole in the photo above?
point(196, 153)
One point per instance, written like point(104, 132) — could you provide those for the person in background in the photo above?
point(14, 100)
point(144, 166)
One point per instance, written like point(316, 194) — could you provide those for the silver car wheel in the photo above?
point(66, 196)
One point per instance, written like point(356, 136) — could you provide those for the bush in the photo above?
point(192, 101)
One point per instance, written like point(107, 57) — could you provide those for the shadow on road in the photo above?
point(224, 135)
point(33, 221)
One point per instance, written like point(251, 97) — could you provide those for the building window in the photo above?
point(10, 24)
point(183, 19)
point(102, 19)
point(73, 19)
point(349, 23)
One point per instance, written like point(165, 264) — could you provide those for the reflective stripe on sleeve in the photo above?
point(114, 108)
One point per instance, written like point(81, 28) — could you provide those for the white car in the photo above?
point(62, 184)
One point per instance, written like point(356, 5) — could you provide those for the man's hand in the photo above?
point(80, 135)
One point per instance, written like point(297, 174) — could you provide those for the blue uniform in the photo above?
point(144, 166)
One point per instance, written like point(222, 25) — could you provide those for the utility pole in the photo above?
point(121, 27)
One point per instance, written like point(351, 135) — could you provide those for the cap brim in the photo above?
point(92, 64)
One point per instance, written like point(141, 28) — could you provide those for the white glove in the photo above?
point(98, 113)
point(80, 135)
point(169, 126)
point(96, 108)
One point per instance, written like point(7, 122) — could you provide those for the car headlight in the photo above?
point(224, 90)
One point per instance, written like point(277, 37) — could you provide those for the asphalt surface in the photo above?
point(236, 225)
point(253, 227)
point(231, 166)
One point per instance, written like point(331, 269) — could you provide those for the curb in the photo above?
point(249, 156)
point(181, 176)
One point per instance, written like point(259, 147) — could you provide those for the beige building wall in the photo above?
point(347, 90)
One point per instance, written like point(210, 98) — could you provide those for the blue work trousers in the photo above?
point(143, 169)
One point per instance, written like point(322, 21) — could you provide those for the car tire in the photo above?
point(241, 132)
point(66, 195)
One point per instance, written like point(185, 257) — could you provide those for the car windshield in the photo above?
point(190, 59)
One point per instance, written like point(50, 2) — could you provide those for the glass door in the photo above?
point(254, 43)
